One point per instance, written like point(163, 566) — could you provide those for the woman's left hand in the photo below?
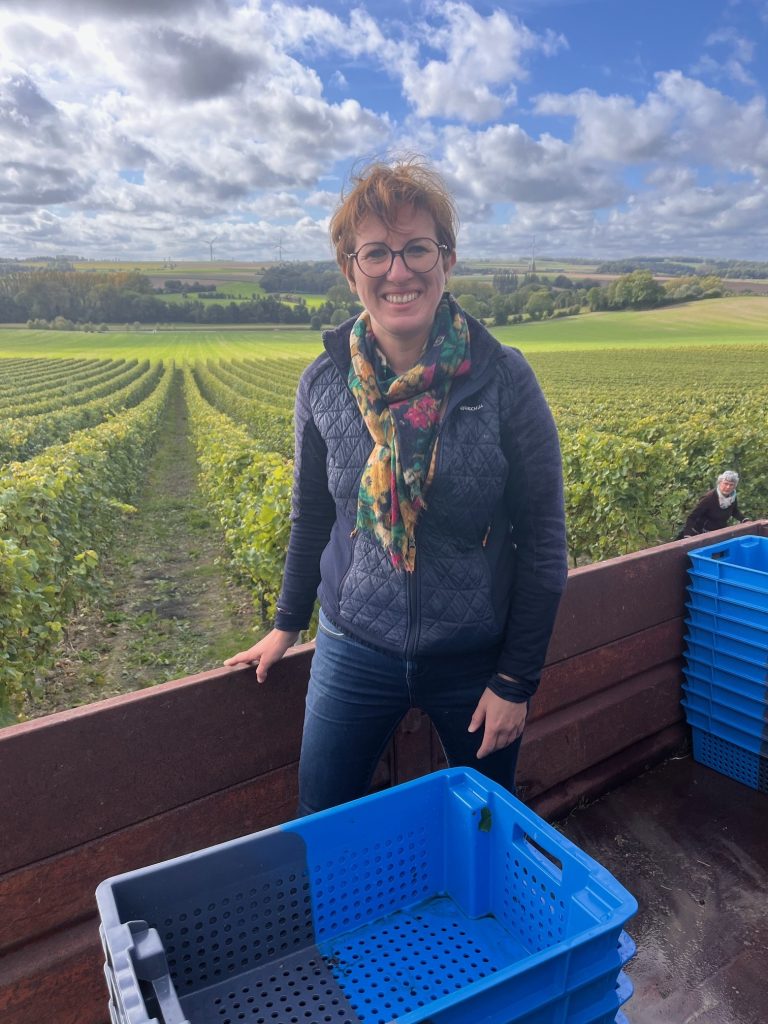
point(503, 720)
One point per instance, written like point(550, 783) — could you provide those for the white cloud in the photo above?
point(683, 119)
point(504, 164)
point(147, 127)
point(483, 57)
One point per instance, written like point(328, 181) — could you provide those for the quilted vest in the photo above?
point(457, 597)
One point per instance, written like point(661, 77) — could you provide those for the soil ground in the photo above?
point(166, 607)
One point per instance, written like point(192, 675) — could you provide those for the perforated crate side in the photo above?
point(725, 730)
point(730, 759)
point(751, 722)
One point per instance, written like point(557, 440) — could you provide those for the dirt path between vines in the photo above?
point(167, 609)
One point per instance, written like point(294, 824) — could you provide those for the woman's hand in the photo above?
point(266, 652)
point(503, 720)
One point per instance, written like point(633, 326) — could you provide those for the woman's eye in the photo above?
point(375, 255)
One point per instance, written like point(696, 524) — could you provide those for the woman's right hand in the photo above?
point(266, 652)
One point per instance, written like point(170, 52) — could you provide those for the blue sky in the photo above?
point(601, 128)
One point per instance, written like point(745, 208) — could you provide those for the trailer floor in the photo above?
point(692, 846)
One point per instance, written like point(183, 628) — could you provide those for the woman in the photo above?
point(427, 505)
point(715, 508)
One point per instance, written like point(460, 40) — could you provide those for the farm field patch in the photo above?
point(732, 321)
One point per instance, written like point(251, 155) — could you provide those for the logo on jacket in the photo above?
point(471, 408)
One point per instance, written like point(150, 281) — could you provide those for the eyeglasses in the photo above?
point(420, 255)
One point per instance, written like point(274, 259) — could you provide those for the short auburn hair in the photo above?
point(382, 189)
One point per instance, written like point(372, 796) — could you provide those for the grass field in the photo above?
point(730, 321)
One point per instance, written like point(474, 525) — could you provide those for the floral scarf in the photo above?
point(402, 416)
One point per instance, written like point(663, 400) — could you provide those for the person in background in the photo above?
point(715, 508)
point(427, 509)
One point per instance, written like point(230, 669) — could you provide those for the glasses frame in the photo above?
point(441, 247)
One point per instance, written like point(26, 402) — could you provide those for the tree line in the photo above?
point(65, 299)
point(125, 297)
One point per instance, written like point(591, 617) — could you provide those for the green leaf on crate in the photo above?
point(485, 820)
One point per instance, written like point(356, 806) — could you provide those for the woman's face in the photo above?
point(727, 487)
point(402, 303)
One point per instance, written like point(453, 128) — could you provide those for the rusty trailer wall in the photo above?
point(135, 779)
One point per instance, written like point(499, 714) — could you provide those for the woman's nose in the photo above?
point(398, 270)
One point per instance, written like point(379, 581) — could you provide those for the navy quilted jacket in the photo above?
point(490, 546)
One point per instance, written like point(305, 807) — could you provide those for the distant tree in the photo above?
point(316, 323)
point(339, 315)
point(470, 304)
point(539, 304)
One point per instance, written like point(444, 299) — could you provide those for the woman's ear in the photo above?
point(450, 262)
point(350, 276)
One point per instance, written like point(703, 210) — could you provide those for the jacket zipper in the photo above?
point(412, 608)
point(412, 592)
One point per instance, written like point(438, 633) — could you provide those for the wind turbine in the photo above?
point(210, 246)
point(280, 247)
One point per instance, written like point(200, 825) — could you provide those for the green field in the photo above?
point(731, 321)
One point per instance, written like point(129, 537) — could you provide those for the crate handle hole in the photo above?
point(544, 852)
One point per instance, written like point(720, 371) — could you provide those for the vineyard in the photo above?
point(643, 433)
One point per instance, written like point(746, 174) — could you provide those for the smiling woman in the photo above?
point(427, 508)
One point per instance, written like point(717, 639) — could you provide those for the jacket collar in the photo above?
point(484, 351)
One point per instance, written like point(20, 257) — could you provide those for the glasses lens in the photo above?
point(421, 255)
point(374, 259)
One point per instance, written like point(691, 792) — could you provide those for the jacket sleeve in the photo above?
point(313, 512)
point(535, 503)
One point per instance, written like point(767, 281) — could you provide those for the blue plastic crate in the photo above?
point(749, 698)
point(700, 718)
point(725, 605)
point(739, 592)
point(750, 721)
point(703, 651)
point(443, 899)
point(730, 759)
point(727, 644)
point(720, 624)
point(738, 560)
point(740, 677)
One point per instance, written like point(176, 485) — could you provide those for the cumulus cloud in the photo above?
point(483, 57)
point(504, 164)
point(682, 119)
point(147, 127)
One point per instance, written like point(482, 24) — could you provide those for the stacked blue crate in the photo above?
point(726, 658)
point(443, 900)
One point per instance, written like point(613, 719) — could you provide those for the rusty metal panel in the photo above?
point(572, 680)
point(60, 981)
point(621, 596)
point(606, 775)
point(52, 893)
point(93, 770)
point(566, 743)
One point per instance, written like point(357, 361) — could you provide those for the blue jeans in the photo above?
point(356, 697)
